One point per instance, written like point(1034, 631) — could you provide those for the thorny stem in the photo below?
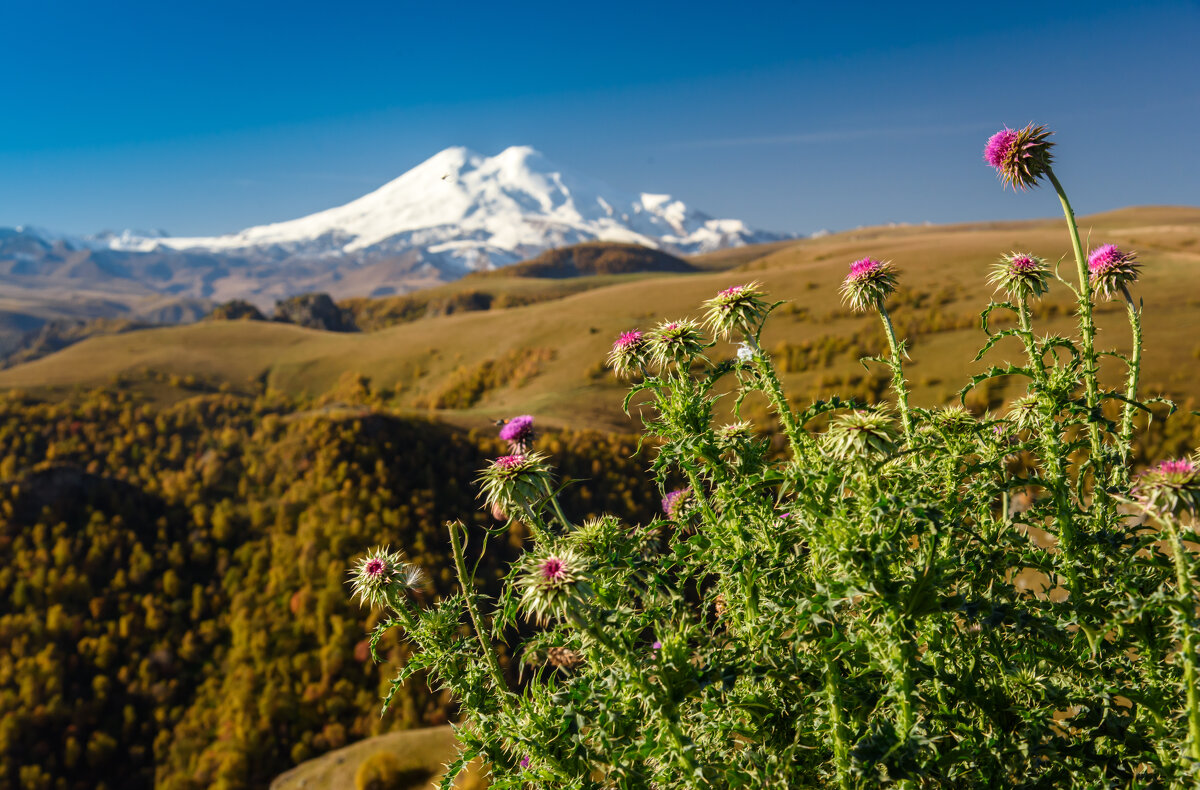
point(1135, 365)
point(621, 655)
point(841, 751)
point(898, 382)
point(1087, 325)
point(468, 587)
point(567, 525)
point(774, 392)
point(1187, 601)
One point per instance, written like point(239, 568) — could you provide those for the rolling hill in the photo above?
point(547, 357)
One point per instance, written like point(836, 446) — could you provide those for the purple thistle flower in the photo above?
point(629, 352)
point(868, 283)
point(627, 339)
point(1020, 156)
point(374, 568)
point(518, 432)
point(1172, 486)
point(737, 310)
point(671, 502)
point(553, 569)
point(1021, 274)
point(509, 461)
point(657, 645)
point(524, 762)
point(1111, 270)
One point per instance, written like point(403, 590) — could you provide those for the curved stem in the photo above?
point(567, 525)
point(468, 588)
point(1086, 324)
point(898, 382)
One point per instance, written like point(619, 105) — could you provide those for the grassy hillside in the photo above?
point(546, 357)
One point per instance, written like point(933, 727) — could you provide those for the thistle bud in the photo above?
point(630, 353)
point(861, 434)
point(551, 581)
point(1020, 157)
point(1020, 274)
point(868, 283)
point(673, 503)
point(739, 310)
point(675, 341)
point(512, 482)
point(1111, 270)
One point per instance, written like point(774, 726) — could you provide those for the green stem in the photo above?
point(774, 391)
point(898, 382)
point(1135, 366)
point(1187, 601)
point(1086, 323)
point(567, 525)
point(1039, 364)
point(841, 750)
point(468, 588)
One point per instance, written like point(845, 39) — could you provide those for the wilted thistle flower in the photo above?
point(674, 501)
point(868, 283)
point(1020, 157)
point(551, 580)
point(1021, 274)
point(563, 657)
point(861, 434)
point(675, 341)
point(512, 482)
point(518, 432)
point(1172, 487)
point(736, 311)
point(1110, 270)
point(382, 574)
point(630, 353)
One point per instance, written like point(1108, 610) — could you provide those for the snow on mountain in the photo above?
point(465, 211)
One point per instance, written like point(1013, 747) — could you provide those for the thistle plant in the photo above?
point(952, 601)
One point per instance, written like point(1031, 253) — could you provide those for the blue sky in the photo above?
point(206, 117)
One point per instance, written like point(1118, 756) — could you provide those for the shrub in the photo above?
point(904, 596)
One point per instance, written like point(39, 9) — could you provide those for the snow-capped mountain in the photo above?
point(456, 212)
point(464, 210)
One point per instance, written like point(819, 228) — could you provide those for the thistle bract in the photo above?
point(739, 310)
point(868, 283)
point(861, 434)
point(550, 581)
point(1020, 157)
point(675, 341)
point(513, 482)
point(673, 502)
point(629, 353)
point(1171, 487)
point(1110, 270)
point(1021, 274)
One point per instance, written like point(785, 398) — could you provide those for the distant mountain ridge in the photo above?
point(456, 212)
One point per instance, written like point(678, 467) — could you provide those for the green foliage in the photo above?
point(887, 597)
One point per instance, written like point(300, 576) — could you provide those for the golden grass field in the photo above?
point(548, 356)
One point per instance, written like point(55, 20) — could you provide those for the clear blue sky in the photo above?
point(206, 117)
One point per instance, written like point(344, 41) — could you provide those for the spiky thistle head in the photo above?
point(736, 311)
point(868, 283)
point(861, 434)
point(513, 482)
point(518, 432)
point(675, 501)
point(954, 419)
point(1110, 270)
point(629, 353)
point(1021, 274)
point(1171, 487)
point(1021, 157)
point(378, 578)
point(675, 341)
point(1023, 413)
point(550, 581)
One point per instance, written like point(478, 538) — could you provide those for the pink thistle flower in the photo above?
point(553, 569)
point(739, 309)
point(509, 461)
point(673, 501)
point(629, 353)
point(1021, 274)
point(1172, 486)
point(868, 283)
point(1020, 156)
point(525, 762)
point(656, 646)
point(518, 432)
point(1111, 270)
point(550, 582)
